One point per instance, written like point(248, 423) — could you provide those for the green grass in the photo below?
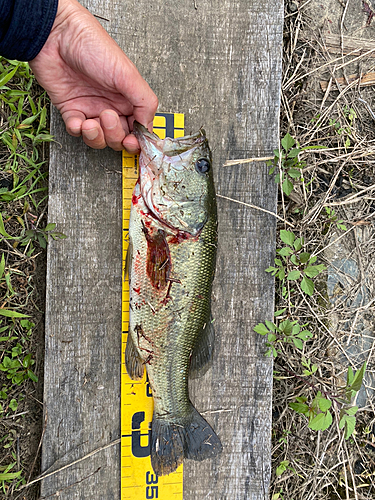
point(23, 237)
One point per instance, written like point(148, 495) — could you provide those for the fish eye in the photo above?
point(202, 165)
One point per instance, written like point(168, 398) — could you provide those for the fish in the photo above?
point(171, 266)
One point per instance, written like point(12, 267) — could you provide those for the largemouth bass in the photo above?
point(171, 263)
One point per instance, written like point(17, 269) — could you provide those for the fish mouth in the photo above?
point(149, 141)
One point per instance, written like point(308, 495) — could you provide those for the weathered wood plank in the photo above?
point(220, 64)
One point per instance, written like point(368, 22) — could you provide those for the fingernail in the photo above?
point(110, 120)
point(91, 134)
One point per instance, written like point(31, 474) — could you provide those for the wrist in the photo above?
point(71, 21)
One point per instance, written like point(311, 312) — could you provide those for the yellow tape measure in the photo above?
point(138, 480)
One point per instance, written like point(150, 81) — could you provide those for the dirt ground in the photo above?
point(328, 100)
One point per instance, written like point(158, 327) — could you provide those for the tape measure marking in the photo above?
point(138, 480)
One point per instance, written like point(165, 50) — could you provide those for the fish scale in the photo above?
point(171, 269)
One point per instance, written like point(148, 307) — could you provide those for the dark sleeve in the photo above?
point(25, 26)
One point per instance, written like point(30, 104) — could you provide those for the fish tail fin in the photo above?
point(171, 442)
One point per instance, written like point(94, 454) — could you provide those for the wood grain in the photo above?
point(366, 80)
point(220, 64)
point(348, 44)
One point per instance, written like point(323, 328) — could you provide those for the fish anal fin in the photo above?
point(191, 437)
point(203, 351)
point(133, 362)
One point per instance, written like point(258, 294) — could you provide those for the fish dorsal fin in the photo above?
point(133, 362)
point(203, 350)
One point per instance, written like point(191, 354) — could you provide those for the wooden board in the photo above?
point(219, 62)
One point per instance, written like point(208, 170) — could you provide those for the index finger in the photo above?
point(139, 94)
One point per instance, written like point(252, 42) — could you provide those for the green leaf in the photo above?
point(349, 427)
point(350, 376)
point(284, 252)
point(42, 121)
point(287, 142)
point(286, 327)
point(301, 399)
point(299, 408)
point(304, 257)
point(28, 325)
point(317, 423)
point(282, 467)
point(294, 152)
point(271, 337)
point(27, 361)
point(294, 173)
point(351, 411)
point(342, 420)
point(12, 314)
point(287, 237)
point(298, 343)
point(296, 329)
point(324, 404)
point(327, 421)
point(312, 271)
point(50, 227)
point(29, 120)
point(2, 228)
point(270, 325)
point(281, 274)
point(32, 376)
point(4, 78)
point(294, 275)
point(272, 270)
point(261, 329)
point(279, 312)
point(287, 186)
point(307, 286)
point(13, 405)
point(2, 265)
point(298, 244)
point(9, 476)
point(305, 335)
point(294, 260)
point(358, 377)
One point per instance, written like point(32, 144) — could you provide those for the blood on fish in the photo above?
point(179, 237)
point(168, 297)
point(135, 199)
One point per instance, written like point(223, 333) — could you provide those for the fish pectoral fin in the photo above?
point(128, 260)
point(133, 362)
point(158, 259)
point(203, 351)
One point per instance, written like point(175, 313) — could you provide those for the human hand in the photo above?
point(97, 89)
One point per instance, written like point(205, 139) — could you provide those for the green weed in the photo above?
point(23, 234)
point(294, 265)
